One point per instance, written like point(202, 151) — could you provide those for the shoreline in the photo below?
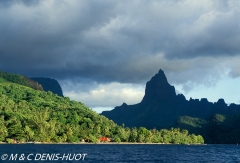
point(100, 143)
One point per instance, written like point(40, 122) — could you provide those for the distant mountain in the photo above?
point(162, 108)
point(49, 84)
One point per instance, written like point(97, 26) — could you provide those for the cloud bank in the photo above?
point(113, 43)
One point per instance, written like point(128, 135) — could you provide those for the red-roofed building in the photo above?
point(104, 139)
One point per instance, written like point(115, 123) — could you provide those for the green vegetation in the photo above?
point(142, 135)
point(27, 114)
point(19, 79)
point(6, 77)
point(217, 129)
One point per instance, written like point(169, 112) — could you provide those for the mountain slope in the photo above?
point(19, 79)
point(32, 115)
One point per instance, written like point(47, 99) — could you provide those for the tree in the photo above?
point(29, 133)
point(194, 139)
point(3, 129)
point(200, 139)
point(15, 130)
point(133, 135)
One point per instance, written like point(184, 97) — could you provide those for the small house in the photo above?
point(104, 139)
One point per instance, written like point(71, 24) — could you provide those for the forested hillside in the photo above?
point(27, 114)
point(216, 129)
point(19, 79)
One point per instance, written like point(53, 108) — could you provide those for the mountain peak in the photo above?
point(161, 76)
point(159, 88)
point(160, 71)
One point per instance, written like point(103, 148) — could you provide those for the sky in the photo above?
point(103, 52)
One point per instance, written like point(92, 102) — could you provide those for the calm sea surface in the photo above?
point(119, 153)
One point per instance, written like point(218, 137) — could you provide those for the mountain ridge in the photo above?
point(162, 108)
point(19, 79)
point(37, 83)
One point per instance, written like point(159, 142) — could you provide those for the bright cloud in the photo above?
point(107, 95)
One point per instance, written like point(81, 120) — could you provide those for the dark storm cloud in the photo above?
point(123, 41)
point(220, 37)
point(9, 3)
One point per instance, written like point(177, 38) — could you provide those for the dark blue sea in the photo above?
point(119, 153)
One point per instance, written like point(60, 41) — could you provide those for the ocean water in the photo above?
point(119, 153)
